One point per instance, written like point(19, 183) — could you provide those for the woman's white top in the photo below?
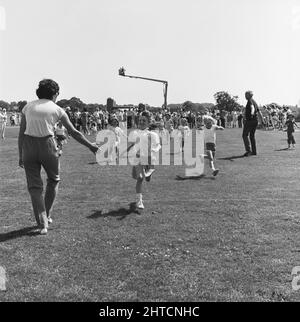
point(41, 117)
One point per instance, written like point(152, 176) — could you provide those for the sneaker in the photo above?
point(148, 174)
point(215, 172)
point(140, 204)
point(247, 154)
point(44, 231)
point(50, 220)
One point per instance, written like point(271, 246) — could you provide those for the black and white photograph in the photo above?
point(149, 153)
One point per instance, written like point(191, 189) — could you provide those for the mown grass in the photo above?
point(230, 238)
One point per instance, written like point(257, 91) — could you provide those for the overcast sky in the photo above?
point(198, 46)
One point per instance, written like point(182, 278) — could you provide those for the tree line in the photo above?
point(223, 102)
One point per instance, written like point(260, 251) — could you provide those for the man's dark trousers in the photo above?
point(250, 128)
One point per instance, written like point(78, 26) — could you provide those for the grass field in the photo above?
point(230, 238)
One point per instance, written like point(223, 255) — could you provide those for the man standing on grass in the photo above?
point(250, 124)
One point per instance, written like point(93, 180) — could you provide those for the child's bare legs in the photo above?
point(138, 189)
point(59, 146)
point(139, 186)
point(138, 174)
point(149, 169)
point(211, 157)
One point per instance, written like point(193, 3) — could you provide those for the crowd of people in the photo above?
point(275, 117)
point(87, 122)
point(45, 126)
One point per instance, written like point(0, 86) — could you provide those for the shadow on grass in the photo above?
point(284, 149)
point(203, 176)
point(28, 231)
point(232, 158)
point(92, 163)
point(122, 212)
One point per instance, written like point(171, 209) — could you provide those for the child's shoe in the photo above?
point(148, 174)
point(44, 231)
point(215, 172)
point(140, 204)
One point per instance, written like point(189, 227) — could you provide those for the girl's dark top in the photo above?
point(290, 126)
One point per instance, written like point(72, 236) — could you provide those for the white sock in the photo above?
point(139, 196)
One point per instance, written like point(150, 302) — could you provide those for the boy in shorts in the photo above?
point(146, 155)
point(61, 136)
point(210, 129)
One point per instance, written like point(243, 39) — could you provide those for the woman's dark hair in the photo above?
point(47, 89)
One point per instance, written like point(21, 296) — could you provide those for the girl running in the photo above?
point(146, 156)
point(210, 141)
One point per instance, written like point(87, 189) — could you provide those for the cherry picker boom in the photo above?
point(122, 73)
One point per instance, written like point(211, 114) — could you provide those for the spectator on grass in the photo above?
point(240, 119)
point(234, 119)
point(222, 119)
point(85, 121)
point(3, 120)
point(37, 148)
point(251, 121)
point(291, 124)
point(77, 116)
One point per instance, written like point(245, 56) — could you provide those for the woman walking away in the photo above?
point(37, 148)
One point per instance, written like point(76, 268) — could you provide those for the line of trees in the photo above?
point(76, 103)
point(13, 106)
point(224, 102)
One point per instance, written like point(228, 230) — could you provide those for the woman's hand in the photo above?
point(94, 148)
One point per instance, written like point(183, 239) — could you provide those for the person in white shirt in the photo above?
point(210, 141)
point(146, 156)
point(3, 120)
point(117, 132)
point(37, 148)
point(184, 131)
point(61, 136)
